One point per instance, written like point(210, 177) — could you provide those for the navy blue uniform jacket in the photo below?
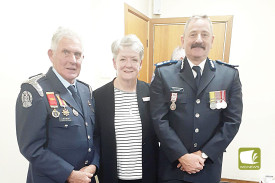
point(54, 146)
point(105, 113)
point(193, 126)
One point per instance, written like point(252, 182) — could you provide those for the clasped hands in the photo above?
point(84, 175)
point(191, 163)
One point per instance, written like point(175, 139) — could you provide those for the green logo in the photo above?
point(249, 158)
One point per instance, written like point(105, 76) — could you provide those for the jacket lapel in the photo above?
point(187, 75)
point(63, 92)
point(206, 78)
point(141, 92)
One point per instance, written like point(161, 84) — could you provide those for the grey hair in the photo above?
point(196, 17)
point(131, 41)
point(61, 33)
point(178, 53)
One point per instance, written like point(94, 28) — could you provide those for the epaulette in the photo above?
point(33, 81)
point(227, 64)
point(167, 62)
point(90, 88)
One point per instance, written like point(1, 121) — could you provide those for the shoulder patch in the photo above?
point(33, 81)
point(90, 88)
point(227, 64)
point(167, 62)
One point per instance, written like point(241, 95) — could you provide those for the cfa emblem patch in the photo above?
point(26, 99)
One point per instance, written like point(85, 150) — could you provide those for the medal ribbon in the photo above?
point(52, 100)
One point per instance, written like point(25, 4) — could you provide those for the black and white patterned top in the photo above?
point(128, 131)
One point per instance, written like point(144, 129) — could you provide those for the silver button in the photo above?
point(86, 123)
point(66, 126)
point(198, 101)
point(197, 130)
point(86, 162)
point(89, 137)
point(197, 115)
point(195, 145)
point(89, 150)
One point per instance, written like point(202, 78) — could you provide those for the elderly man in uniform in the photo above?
point(55, 118)
point(196, 106)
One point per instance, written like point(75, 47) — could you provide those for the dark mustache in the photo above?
point(197, 45)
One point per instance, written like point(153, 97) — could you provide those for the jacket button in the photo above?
point(197, 130)
point(89, 150)
point(89, 137)
point(86, 123)
point(197, 115)
point(86, 162)
point(198, 101)
point(195, 145)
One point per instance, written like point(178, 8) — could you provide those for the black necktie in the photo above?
point(75, 96)
point(198, 78)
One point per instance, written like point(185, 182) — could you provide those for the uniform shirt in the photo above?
point(201, 66)
point(128, 131)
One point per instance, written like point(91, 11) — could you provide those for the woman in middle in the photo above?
point(129, 147)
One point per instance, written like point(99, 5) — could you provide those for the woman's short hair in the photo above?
point(131, 41)
point(61, 33)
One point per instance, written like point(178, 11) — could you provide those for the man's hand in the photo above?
point(89, 169)
point(191, 163)
point(80, 177)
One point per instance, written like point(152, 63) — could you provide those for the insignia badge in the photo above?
point(75, 112)
point(174, 97)
point(26, 99)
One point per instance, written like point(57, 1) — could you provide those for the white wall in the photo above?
point(27, 27)
point(252, 48)
point(25, 34)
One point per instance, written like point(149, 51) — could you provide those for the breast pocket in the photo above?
point(65, 135)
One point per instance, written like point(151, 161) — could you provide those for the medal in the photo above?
point(173, 106)
point(223, 98)
point(213, 105)
point(63, 104)
point(174, 97)
point(53, 104)
point(75, 112)
point(55, 113)
point(65, 112)
point(212, 100)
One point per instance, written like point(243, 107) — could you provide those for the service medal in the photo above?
point(63, 104)
point(53, 104)
point(223, 98)
point(213, 105)
point(212, 100)
point(174, 97)
point(55, 113)
point(173, 106)
point(65, 112)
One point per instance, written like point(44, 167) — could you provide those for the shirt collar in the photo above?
point(201, 66)
point(62, 80)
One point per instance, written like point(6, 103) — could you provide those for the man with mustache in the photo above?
point(196, 106)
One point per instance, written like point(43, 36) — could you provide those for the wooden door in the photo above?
point(138, 24)
point(165, 36)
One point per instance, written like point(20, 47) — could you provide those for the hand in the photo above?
point(89, 169)
point(80, 177)
point(191, 163)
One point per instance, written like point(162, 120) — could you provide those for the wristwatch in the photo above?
point(203, 155)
